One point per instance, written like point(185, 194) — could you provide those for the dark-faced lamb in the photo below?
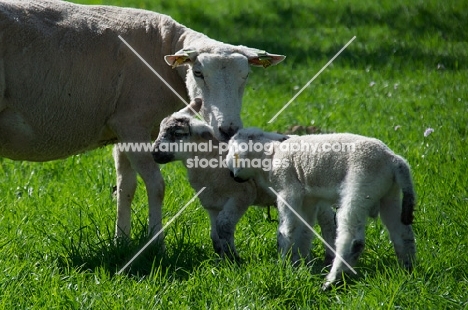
point(225, 200)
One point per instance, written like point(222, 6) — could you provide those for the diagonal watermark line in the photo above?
point(311, 80)
point(159, 232)
point(313, 230)
point(160, 77)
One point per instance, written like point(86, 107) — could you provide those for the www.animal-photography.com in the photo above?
point(233, 154)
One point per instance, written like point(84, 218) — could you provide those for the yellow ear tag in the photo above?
point(265, 61)
point(180, 60)
point(236, 159)
point(186, 55)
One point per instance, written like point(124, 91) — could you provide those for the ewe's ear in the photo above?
point(193, 108)
point(260, 58)
point(264, 59)
point(181, 57)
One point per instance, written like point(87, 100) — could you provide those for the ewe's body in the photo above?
point(360, 175)
point(68, 84)
point(224, 199)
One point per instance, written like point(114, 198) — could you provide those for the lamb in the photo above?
point(360, 175)
point(224, 199)
point(68, 84)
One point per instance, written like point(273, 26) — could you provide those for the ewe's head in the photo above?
point(217, 73)
point(248, 152)
point(177, 130)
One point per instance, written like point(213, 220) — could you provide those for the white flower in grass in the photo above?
point(428, 131)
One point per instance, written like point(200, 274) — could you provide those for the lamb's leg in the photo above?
point(351, 220)
point(326, 220)
point(302, 242)
point(126, 186)
point(290, 226)
point(226, 223)
point(401, 235)
point(303, 234)
point(217, 243)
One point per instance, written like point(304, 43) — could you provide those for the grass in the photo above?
point(407, 69)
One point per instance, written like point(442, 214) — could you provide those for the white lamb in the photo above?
point(360, 175)
point(224, 199)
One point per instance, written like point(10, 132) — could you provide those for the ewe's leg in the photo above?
point(144, 164)
point(126, 186)
point(148, 169)
point(326, 220)
point(137, 128)
point(401, 235)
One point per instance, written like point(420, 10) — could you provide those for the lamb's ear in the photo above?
point(275, 136)
point(193, 108)
point(208, 135)
point(201, 129)
point(181, 57)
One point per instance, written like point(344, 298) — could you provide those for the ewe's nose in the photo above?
point(227, 132)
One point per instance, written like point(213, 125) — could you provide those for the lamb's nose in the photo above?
point(237, 179)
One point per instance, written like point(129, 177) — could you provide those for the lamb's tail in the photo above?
point(403, 179)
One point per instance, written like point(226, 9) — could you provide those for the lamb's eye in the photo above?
point(198, 74)
point(180, 133)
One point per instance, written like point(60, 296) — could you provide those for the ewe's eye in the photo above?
point(198, 74)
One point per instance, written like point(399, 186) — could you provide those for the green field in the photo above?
point(406, 71)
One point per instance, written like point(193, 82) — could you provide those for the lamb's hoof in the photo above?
point(232, 257)
point(122, 240)
point(407, 264)
point(328, 260)
point(327, 286)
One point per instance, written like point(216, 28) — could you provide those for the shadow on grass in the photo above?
point(179, 260)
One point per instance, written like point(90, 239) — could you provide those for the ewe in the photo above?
point(68, 84)
point(360, 175)
point(224, 199)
